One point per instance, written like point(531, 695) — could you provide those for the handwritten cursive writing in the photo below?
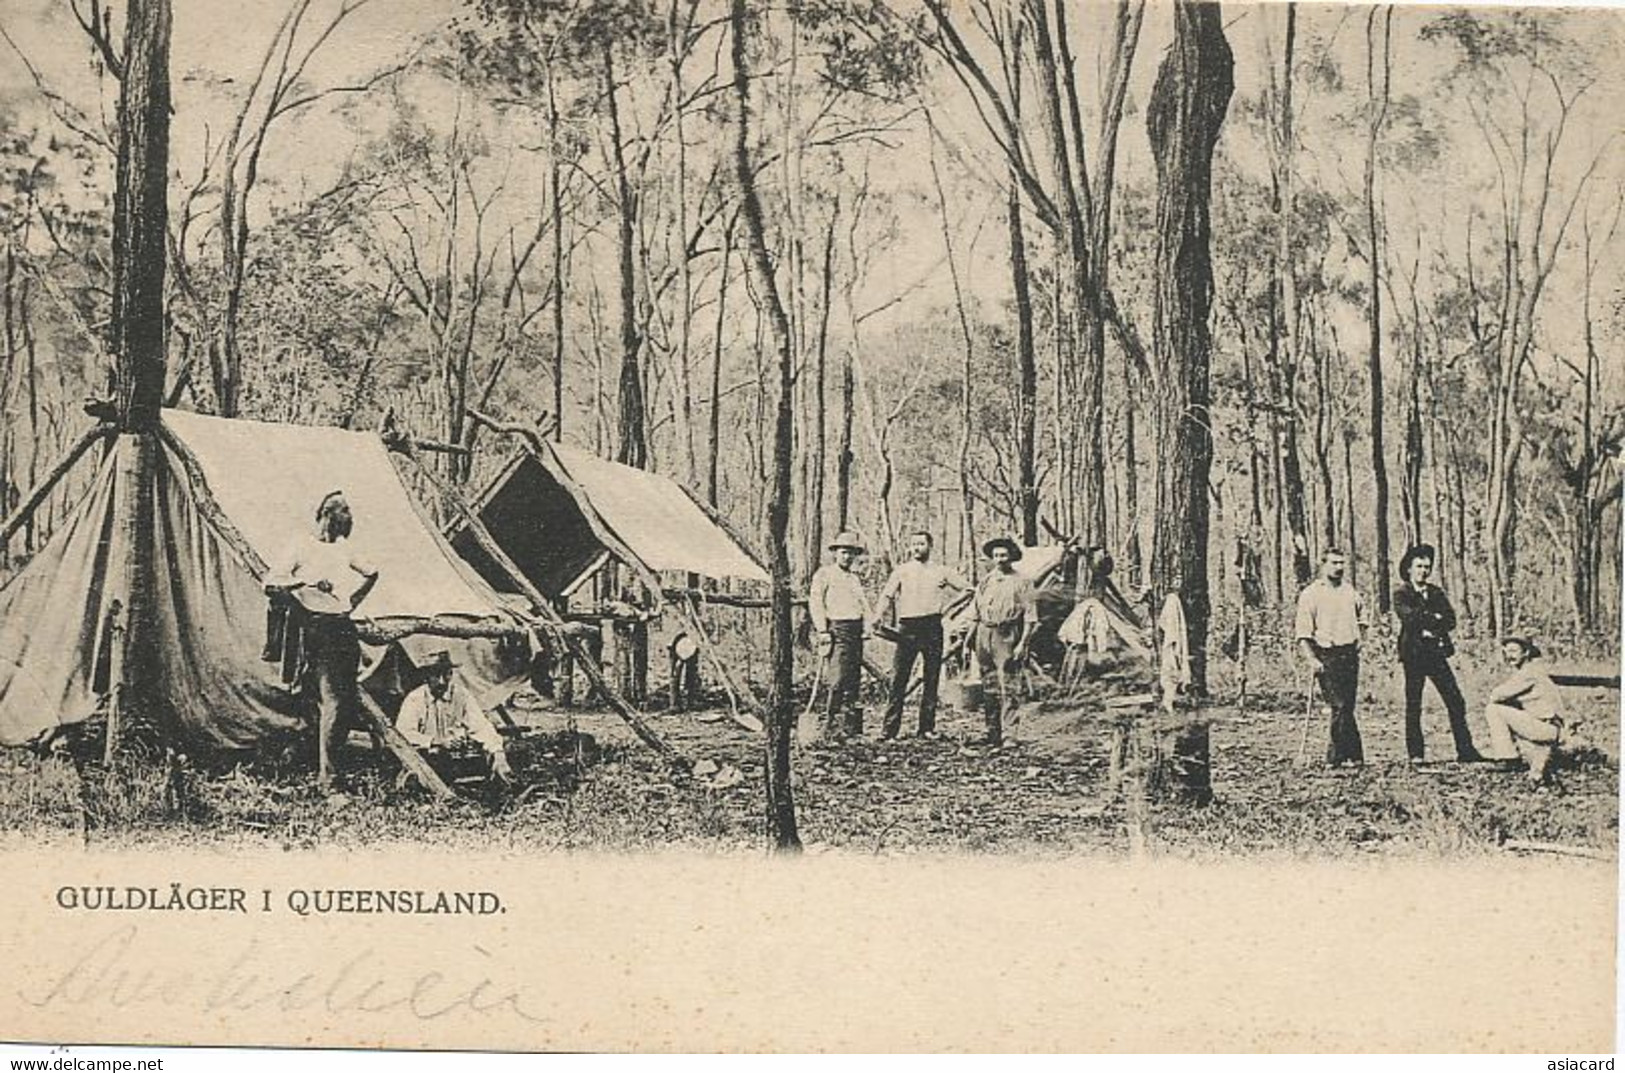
point(115, 970)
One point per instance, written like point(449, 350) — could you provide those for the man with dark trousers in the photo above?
point(918, 589)
point(1330, 623)
point(1426, 620)
point(840, 617)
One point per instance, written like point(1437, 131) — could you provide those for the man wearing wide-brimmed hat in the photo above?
point(840, 616)
point(440, 713)
point(1426, 621)
point(1005, 611)
point(1525, 712)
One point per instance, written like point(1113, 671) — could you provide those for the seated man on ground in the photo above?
point(1524, 713)
point(439, 716)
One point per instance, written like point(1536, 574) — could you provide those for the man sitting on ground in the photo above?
point(1525, 712)
point(440, 713)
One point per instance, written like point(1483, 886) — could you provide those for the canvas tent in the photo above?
point(561, 513)
point(233, 498)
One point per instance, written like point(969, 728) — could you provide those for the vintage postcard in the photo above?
point(847, 525)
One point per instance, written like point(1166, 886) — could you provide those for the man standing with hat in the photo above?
point(840, 616)
point(917, 589)
point(1425, 622)
point(439, 713)
point(1005, 611)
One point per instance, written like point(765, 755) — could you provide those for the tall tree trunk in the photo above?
point(1349, 514)
point(1323, 442)
point(1411, 494)
point(31, 364)
point(715, 456)
point(140, 257)
point(781, 713)
point(819, 453)
point(634, 437)
point(1125, 43)
point(1284, 303)
point(685, 284)
point(555, 192)
point(1083, 399)
point(1185, 115)
point(1379, 117)
point(1026, 371)
point(843, 445)
point(966, 508)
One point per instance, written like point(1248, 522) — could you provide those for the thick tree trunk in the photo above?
point(781, 713)
point(140, 257)
point(1185, 115)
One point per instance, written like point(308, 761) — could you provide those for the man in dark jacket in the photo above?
point(1426, 620)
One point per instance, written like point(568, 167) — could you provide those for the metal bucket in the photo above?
point(966, 694)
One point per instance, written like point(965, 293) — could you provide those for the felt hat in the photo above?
point(847, 539)
point(1413, 553)
point(1530, 648)
point(439, 660)
point(1003, 542)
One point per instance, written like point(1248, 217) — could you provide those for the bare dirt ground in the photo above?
point(1046, 791)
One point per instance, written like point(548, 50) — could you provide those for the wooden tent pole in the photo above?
point(25, 511)
point(546, 616)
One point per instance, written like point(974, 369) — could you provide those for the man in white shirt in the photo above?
point(918, 590)
point(439, 713)
point(840, 616)
point(1330, 622)
point(322, 587)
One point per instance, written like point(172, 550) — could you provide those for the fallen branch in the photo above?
point(394, 628)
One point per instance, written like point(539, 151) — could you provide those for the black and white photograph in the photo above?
point(833, 525)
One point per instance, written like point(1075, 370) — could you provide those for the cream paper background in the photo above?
point(681, 953)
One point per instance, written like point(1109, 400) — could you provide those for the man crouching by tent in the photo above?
point(439, 716)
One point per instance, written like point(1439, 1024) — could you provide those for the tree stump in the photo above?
point(1155, 756)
